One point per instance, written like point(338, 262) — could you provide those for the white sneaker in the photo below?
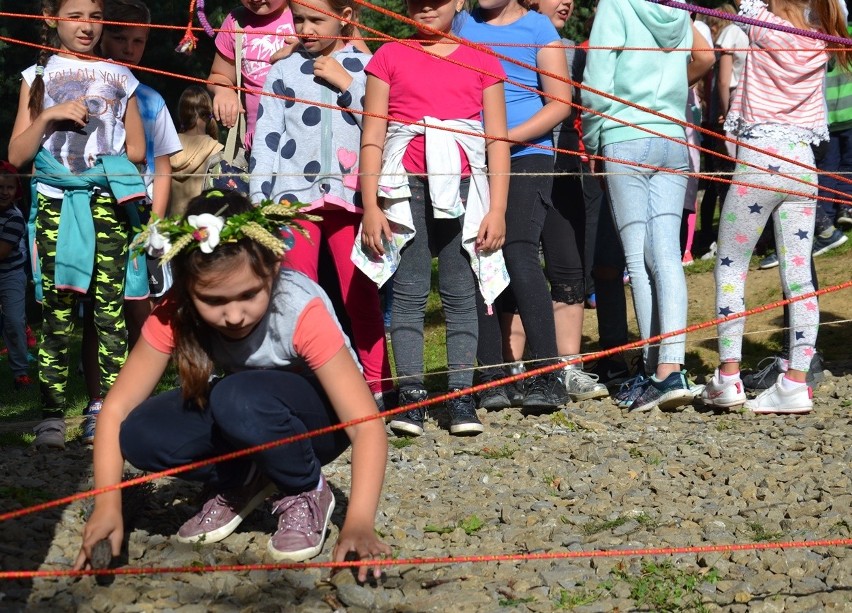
point(717, 393)
point(778, 400)
point(582, 385)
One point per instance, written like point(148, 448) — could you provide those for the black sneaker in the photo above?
point(409, 423)
point(610, 371)
point(765, 377)
point(463, 419)
point(494, 399)
point(824, 245)
point(545, 391)
point(515, 391)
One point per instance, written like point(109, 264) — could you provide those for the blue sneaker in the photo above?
point(630, 390)
point(91, 417)
point(670, 393)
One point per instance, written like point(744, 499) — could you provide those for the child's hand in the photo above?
point(364, 543)
point(73, 110)
point(375, 226)
point(492, 232)
point(330, 69)
point(226, 106)
point(103, 524)
point(286, 50)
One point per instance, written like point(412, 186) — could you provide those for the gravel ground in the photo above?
point(589, 477)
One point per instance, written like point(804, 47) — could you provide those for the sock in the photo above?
point(784, 363)
point(789, 385)
point(723, 378)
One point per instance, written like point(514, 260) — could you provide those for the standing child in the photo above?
point(288, 370)
point(76, 117)
point(307, 153)
point(646, 204)
point(13, 275)
point(426, 191)
point(529, 37)
point(127, 44)
point(266, 28)
point(779, 108)
point(199, 137)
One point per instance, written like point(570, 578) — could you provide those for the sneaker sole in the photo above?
point(309, 552)
point(785, 411)
point(724, 404)
point(225, 531)
point(831, 246)
point(666, 402)
point(589, 395)
point(768, 266)
point(471, 429)
point(403, 428)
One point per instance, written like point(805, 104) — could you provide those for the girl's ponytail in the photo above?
point(829, 18)
point(49, 42)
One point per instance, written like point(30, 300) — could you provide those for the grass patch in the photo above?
point(514, 602)
point(497, 453)
point(24, 496)
point(662, 587)
point(759, 533)
point(569, 600)
point(560, 419)
point(470, 525)
point(401, 442)
point(593, 527)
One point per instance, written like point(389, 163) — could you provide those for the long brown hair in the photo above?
point(194, 104)
point(192, 351)
point(827, 17)
point(49, 42)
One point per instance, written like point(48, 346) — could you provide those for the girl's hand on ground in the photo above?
point(226, 106)
point(101, 525)
point(375, 226)
point(330, 69)
point(492, 232)
point(365, 545)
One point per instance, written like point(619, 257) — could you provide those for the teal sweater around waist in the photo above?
point(75, 244)
point(652, 79)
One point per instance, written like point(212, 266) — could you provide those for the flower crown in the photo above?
point(269, 225)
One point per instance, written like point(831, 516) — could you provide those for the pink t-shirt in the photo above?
point(262, 38)
point(422, 84)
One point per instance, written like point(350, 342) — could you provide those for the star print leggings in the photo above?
point(745, 213)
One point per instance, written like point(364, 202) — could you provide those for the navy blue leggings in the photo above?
point(244, 409)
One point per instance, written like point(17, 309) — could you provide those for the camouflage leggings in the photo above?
point(106, 289)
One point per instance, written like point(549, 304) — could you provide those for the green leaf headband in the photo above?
point(165, 238)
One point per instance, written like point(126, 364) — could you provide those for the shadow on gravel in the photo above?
point(25, 541)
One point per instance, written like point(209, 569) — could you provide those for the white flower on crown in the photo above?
point(157, 244)
point(207, 230)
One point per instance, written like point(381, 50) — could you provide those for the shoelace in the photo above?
point(762, 373)
point(300, 512)
point(586, 378)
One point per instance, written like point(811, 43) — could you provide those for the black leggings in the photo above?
point(529, 201)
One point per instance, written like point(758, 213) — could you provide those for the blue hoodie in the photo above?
point(653, 79)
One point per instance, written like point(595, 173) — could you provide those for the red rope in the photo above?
point(509, 557)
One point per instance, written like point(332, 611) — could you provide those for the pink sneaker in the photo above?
point(302, 522)
point(225, 511)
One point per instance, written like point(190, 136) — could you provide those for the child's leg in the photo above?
point(245, 409)
point(745, 212)
point(304, 254)
point(457, 286)
point(411, 284)
point(111, 229)
point(360, 298)
point(13, 284)
point(57, 314)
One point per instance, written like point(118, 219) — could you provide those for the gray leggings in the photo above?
point(745, 213)
point(456, 285)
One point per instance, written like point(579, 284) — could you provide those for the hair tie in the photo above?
point(39, 70)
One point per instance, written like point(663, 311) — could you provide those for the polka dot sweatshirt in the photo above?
point(305, 152)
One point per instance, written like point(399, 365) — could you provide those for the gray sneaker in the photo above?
point(50, 434)
point(225, 511)
point(302, 522)
point(582, 385)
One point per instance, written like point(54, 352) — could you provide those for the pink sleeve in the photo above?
point(226, 38)
point(317, 337)
point(157, 329)
point(377, 66)
point(491, 65)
